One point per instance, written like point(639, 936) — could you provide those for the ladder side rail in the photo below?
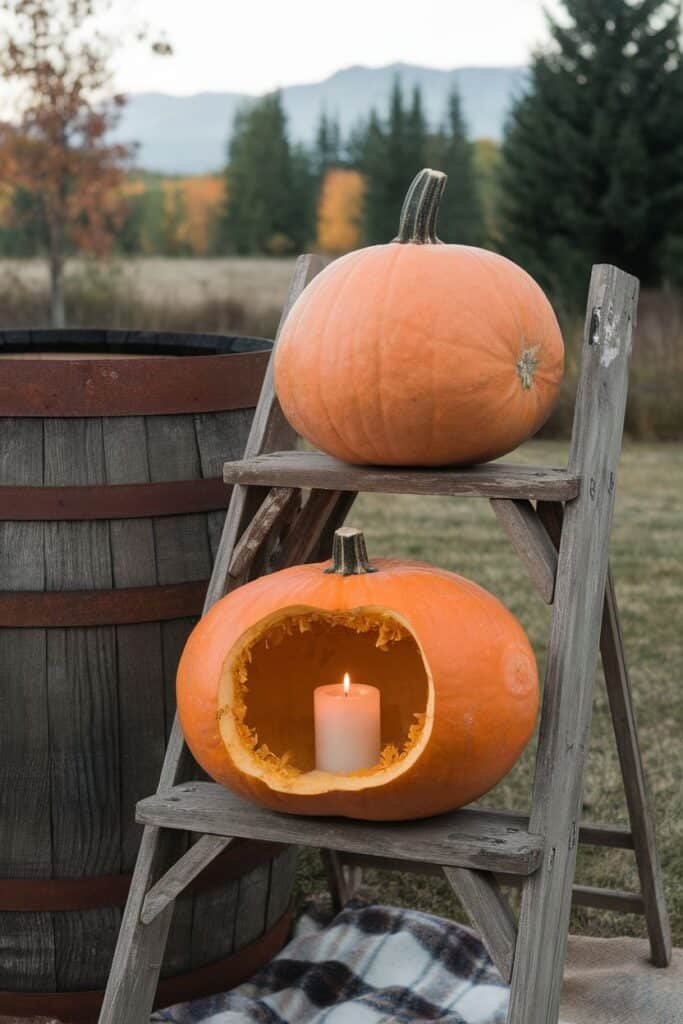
point(574, 640)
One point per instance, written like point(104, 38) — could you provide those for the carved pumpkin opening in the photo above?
point(266, 693)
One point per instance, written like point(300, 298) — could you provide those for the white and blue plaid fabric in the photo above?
point(369, 965)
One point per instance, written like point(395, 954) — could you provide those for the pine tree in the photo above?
point(303, 199)
point(460, 216)
point(593, 152)
point(389, 157)
point(261, 211)
point(327, 153)
point(372, 162)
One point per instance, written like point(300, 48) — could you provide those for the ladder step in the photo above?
point(493, 480)
point(471, 838)
point(582, 895)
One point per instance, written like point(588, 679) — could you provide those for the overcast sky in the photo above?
point(256, 45)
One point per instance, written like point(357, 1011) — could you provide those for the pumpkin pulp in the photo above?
point(266, 693)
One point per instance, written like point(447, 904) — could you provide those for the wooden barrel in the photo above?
point(111, 506)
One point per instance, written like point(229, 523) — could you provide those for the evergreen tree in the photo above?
point(390, 156)
point(261, 210)
point(460, 216)
point(593, 152)
point(414, 148)
point(327, 152)
point(372, 158)
point(304, 198)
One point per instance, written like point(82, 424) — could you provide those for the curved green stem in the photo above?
point(421, 208)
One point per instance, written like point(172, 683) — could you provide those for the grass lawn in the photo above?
point(647, 556)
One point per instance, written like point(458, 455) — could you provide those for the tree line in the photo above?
point(274, 189)
point(588, 171)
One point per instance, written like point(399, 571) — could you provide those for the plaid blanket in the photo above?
point(369, 965)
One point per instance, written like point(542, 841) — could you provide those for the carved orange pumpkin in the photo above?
point(456, 674)
point(419, 353)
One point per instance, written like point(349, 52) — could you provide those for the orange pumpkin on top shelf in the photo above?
point(417, 352)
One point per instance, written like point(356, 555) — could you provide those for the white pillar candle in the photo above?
point(347, 726)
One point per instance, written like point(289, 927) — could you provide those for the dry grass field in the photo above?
point(219, 295)
point(647, 555)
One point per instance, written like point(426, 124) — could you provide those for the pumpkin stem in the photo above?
point(349, 554)
point(421, 208)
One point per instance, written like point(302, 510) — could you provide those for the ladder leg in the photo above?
point(639, 808)
point(619, 695)
point(574, 641)
point(135, 969)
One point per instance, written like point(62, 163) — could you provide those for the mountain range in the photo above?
point(189, 134)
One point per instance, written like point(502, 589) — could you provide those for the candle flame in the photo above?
point(347, 684)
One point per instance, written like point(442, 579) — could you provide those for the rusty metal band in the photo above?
point(114, 501)
point(84, 1007)
point(145, 386)
point(57, 894)
point(125, 605)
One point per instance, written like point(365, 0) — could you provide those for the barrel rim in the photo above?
point(133, 342)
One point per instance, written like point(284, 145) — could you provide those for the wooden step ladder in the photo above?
point(558, 521)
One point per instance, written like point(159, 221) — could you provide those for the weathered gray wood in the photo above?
point(282, 870)
point(269, 432)
point(568, 694)
point(218, 435)
point(637, 798)
point(531, 542)
point(336, 517)
point(183, 553)
point(608, 899)
point(489, 912)
point(464, 838)
point(582, 895)
point(139, 950)
point(551, 514)
point(304, 538)
point(590, 833)
point(213, 924)
point(27, 947)
point(138, 647)
point(337, 881)
point(136, 966)
point(83, 712)
point(277, 506)
point(312, 469)
point(252, 903)
point(173, 881)
point(620, 699)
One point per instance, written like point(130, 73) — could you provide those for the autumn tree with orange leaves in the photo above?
point(57, 61)
point(339, 210)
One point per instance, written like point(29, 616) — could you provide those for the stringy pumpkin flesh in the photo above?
point(265, 709)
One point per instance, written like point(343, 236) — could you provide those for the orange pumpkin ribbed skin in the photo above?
point(482, 668)
point(418, 354)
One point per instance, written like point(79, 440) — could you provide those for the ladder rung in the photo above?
point(582, 895)
point(471, 838)
point(493, 480)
